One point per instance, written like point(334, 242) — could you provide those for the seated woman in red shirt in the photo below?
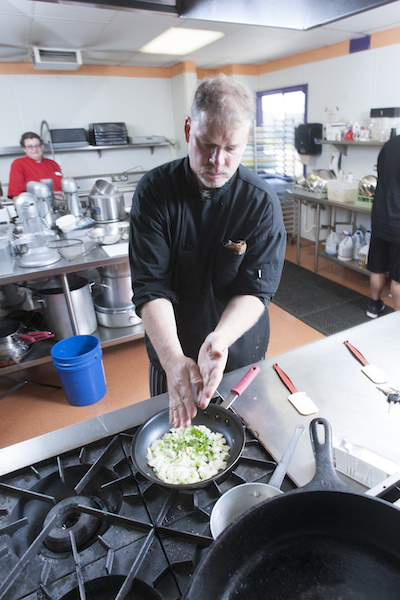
point(32, 167)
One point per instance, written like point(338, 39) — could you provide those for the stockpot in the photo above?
point(107, 209)
point(122, 316)
point(116, 286)
point(55, 308)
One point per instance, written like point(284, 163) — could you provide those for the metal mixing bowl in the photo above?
point(367, 185)
point(107, 234)
point(104, 188)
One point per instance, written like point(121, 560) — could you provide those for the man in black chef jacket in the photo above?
point(207, 245)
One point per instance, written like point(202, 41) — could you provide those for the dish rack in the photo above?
point(309, 193)
point(364, 201)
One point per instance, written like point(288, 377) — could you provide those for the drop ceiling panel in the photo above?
point(14, 31)
point(72, 11)
point(66, 33)
point(113, 37)
point(16, 7)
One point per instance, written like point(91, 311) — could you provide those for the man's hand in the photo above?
point(181, 375)
point(212, 358)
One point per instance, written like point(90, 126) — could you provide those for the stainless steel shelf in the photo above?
point(17, 150)
point(342, 145)
point(350, 264)
point(40, 351)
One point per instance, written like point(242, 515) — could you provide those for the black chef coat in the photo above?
point(178, 251)
point(385, 215)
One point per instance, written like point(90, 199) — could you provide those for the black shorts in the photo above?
point(384, 257)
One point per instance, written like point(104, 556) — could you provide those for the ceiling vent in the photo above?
point(56, 59)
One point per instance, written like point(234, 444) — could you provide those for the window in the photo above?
point(279, 112)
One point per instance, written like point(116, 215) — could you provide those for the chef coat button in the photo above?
point(204, 325)
point(187, 247)
point(221, 203)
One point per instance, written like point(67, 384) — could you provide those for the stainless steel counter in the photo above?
point(333, 379)
point(325, 369)
point(96, 257)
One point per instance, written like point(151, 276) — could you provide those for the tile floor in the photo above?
point(34, 410)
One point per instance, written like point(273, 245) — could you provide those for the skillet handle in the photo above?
point(325, 477)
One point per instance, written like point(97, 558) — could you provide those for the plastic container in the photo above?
point(367, 237)
point(332, 244)
point(345, 250)
point(358, 235)
point(363, 256)
point(78, 360)
point(358, 243)
point(342, 190)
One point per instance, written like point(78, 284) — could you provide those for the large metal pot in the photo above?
point(12, 349)
point(117, 317)
point(55, 308)
point(117, 287)
point(107, 209)
point(117, 292)
point(117, 270)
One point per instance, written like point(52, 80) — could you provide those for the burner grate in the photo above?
point(117, 535)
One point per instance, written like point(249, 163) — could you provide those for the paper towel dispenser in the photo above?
point(308, 138)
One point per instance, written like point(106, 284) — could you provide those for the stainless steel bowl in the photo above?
point(104, 188)
point(367, 185)
point(110, 234)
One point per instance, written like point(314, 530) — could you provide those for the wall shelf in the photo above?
point(344, 144)
point(17, 150)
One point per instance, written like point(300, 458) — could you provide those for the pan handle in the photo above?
point(279, 474)
point(325, 477)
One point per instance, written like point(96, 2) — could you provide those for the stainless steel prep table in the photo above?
point(97, 257)
point(325, 369)
point(319, 202)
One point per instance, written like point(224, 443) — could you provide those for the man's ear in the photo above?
point(187, 128)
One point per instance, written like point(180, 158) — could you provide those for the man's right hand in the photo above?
point(182, 373)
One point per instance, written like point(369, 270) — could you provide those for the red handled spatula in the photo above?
point(302, 403)
point(372, 371)
point(241, 386)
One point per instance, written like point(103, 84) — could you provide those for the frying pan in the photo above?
point(320, 542)
point(215, 417)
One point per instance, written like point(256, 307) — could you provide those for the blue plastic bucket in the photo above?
point(78, 360)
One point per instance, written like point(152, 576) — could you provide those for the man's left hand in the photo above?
point(212, 358)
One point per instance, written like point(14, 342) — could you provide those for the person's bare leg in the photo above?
point(377, 283)
point(395, 291)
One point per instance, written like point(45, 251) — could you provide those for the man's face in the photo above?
point(33, 148)
point(215, 150)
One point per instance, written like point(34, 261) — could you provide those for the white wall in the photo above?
point(68, 101)
point(354, 83)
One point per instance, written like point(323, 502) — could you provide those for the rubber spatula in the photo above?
point(374, 372)
point(302, 403)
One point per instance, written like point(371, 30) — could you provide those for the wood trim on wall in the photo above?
point(378, 40)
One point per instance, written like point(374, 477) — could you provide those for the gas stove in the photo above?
point(84, 525)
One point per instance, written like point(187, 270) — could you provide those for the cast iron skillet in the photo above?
point(320, 542)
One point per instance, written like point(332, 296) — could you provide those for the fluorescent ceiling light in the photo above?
point(180, 41)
